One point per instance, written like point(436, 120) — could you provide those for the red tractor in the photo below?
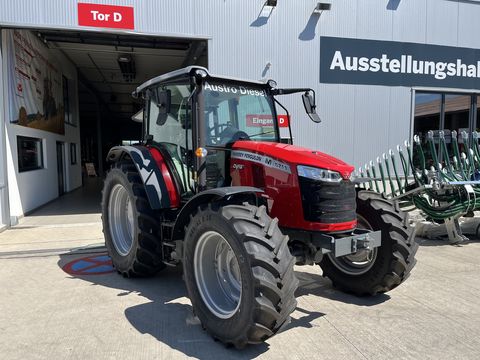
point(213, 188)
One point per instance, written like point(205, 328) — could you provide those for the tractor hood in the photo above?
point(296, 155)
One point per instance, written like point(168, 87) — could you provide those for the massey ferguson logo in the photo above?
point(261, 159)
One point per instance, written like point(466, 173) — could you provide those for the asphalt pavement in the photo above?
point(47, 313)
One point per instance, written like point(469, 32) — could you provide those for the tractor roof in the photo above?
point(185, 72)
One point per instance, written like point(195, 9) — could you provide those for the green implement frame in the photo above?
point(439, 176)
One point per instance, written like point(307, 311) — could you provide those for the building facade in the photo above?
point(382, 70)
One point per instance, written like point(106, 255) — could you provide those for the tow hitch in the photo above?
point(360, 240)
point(340, 246)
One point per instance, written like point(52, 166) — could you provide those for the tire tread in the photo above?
point(274, 279)
point(148, 257)
point(395, 223)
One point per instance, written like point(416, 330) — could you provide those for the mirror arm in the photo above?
point(297, 90)
point(290, 91)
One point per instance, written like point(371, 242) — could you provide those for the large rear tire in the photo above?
point(130, 226)
point(239, 273)
point(381, 269)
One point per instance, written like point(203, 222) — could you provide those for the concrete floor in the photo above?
point(77, 207)
point(47, 313)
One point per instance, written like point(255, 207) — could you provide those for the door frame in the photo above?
point(4, 200)
point(62, 163)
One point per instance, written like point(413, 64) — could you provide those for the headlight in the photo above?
point(318, 174)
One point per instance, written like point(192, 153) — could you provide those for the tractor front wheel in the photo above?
point(239, 273)
point(368, 272)
point(130, 226)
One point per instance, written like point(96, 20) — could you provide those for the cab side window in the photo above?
point(176, 126)
point(173, 132)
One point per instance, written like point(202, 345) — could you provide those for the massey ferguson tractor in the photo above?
point(212, 187)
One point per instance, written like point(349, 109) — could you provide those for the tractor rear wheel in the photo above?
point(130, 226)
point(239, 273)
point(368, 272)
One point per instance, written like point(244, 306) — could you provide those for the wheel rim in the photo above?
point(120, 216)
point(217, 274)
point(359, 262)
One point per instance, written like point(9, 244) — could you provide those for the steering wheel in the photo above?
point(232, 134)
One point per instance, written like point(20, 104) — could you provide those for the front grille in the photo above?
point(328, 203)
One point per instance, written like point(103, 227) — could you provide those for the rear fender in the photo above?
point(226, 193)
point(155, 187)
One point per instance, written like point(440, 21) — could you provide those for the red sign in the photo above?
point(283, 120)
point(259, 120)
point(108, 16)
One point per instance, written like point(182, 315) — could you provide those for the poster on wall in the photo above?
point(34, 83)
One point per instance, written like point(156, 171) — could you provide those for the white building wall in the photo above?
point(4, 212)
point(31, 189)
point(359, 122)
point(241, 44)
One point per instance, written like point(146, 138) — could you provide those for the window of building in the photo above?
point(444, 111)
point(30, 153)
point(427, 113)
point(68, 118)
point(476, 127)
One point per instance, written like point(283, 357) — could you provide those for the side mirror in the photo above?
point(164, 100)
point(310, 107)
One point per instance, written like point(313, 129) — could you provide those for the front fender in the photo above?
point(148, 170)
point(206, 197)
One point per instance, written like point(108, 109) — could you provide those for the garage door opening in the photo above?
point(96, 103)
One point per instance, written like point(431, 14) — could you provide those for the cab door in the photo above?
point(169, 130)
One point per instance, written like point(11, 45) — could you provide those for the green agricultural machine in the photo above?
point(439, 176)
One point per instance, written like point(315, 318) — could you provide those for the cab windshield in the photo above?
point(237, 112)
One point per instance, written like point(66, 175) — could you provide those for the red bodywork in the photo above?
point(167, 177)
point(273, 168)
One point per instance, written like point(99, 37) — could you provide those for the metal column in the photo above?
point(99, 140)
point(4, 208)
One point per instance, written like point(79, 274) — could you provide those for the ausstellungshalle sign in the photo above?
point(372, 62)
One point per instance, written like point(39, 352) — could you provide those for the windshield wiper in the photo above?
point(263, 133)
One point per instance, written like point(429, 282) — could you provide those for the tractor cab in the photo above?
point(199, 141)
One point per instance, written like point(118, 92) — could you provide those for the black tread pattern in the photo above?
point(147, 257)
point(272, 269)
point(396, 256)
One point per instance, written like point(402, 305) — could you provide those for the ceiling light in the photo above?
point(126, 62)
point(124, 58)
